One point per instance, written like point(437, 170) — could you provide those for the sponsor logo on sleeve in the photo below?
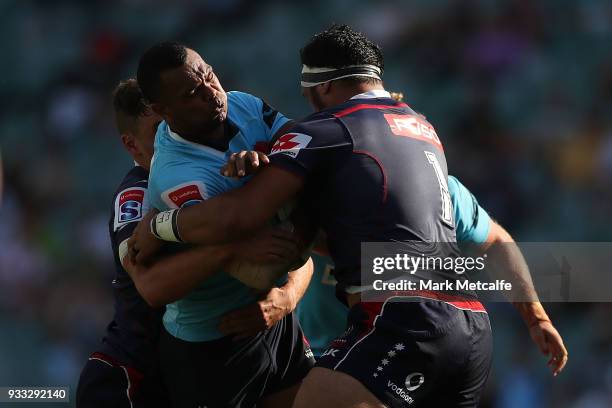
point(290, 144)
point(185, 194)
point(128, 206)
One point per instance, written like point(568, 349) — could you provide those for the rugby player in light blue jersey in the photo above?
point(323, 318)
point(202, 126)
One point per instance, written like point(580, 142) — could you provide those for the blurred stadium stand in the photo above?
point(520, 92)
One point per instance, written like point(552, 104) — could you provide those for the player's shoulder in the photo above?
point(163, 137)
point(243, 103)
point(129, 197)
point(316, 131)
point(137, 177)
point(458, 192)
point(454, 184)
point(319, 124)
point(363, 106)
point(171, 152)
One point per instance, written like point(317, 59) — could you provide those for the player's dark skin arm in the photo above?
point(277, 303)
point(230, 215)
point(170, 278)
point(226, 217)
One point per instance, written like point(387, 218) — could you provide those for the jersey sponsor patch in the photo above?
point(128, 206)
point(290, 144)
point(414, 127)
point(185, 194)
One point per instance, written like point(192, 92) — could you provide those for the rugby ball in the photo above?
point(267, 276)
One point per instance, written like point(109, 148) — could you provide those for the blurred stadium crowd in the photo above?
point(520, 93)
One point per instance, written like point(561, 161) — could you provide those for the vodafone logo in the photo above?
point(184, 195)
point(290, 144)
point(136, 194)
point(414, 381)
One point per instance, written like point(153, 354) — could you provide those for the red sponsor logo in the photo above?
point(285, 142)
point(414, 127)
point(131, 195)
point(185, 194)
point(291, 143)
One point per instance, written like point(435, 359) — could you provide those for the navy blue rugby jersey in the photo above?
point(374, 171)
point(133, 334)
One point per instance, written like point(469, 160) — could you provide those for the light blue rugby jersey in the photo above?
point(323, 317)
point(184, 173)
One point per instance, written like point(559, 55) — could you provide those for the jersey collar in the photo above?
point(374, 93)
point(178, 138)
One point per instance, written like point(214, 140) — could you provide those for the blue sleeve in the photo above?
point(271, 119)
point(152, 199)
point(171, 188)
point(471, 220)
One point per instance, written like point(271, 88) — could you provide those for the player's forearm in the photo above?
point(505, 261)
point(531, 312)
point(298, 281)
point(219, 220)
point(172, 277)
point(509, 263)
point(231, 215)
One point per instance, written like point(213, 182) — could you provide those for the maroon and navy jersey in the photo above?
point(374, 171)
point(134, 332)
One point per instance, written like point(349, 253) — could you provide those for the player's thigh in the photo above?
point(218, 373)
point(324, 388)
point(475, 372)
point(417, 351)
point(292, 356)
point(280, 399)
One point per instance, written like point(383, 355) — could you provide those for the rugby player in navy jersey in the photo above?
point(374, 171)
point(124, 371)
point(323, 318)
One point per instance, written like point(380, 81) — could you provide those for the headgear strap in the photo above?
point(313, 76)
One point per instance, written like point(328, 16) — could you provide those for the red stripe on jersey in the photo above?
point(134, 377)
point(457, 301)
point(363, 106)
